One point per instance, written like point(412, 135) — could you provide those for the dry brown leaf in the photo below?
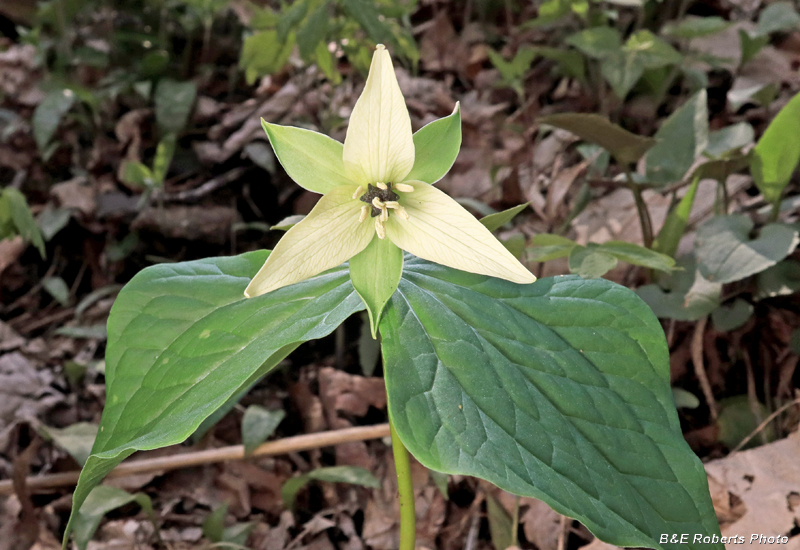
point(75, 194)
point(440, 49)
point(208, 223)
point(541, 524)
point(756, 491)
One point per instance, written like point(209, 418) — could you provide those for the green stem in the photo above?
point(641, 208)
point(776, 211)
point(405, 490)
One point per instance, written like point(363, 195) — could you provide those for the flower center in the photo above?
point(380, 199)
point(383, 196)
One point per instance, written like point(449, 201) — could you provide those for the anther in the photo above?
point(384, 215)
point(378, 203)
point(402, 212)
point(404, 187)
point(381, 185)
point(392, 204)
point(380, 229)
point(364, 213)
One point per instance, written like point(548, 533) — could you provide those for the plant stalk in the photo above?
point(641, 208)
point(405, 490)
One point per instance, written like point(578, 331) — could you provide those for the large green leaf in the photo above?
point(48, 115)
point(436, 147)
point(182, 339)
point(311, 159)
point(626, 146)
point(726, 253)
point(174, 101)
point(778, 152)
point(557, 390)
point(681, 139)
point(684, 295)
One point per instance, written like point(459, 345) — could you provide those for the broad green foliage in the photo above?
point(695, 27)
point(595, 260)
point(726, 253)
point(183, 339)
point(623, 65)
point(263, 53)
point(138, 175)
point(675, 225)
point(234, 536)
point(778, 152)
point(77, 439)
point(557, 390)
point(732, 316)
point(684, 295)
point(625, 146)
point(681, 139)
point(333, 474)
point(495, 221)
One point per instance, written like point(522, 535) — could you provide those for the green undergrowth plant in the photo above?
point(556, 389)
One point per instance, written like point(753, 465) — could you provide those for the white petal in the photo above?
point(438, 229)
point(329, 236)
point(379, 145)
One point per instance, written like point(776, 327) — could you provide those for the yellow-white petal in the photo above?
point(330, 235)
point(379, 146)
point(438, 229)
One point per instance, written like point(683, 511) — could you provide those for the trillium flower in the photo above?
point(370, 193)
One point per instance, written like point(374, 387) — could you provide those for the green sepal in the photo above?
point(312, 160)
point(436, 147)
point(376, 272)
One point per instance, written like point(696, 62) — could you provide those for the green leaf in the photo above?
point(436, 147)
point(353, 475)
point(76, 439)
point(732, 316)
point(57, 288)
point(550, 247)
point(312, 160)
point(590, 261)
point(257, 425)
point(681, 139)
point(91, 332)
point(684, 399)
point(751, 44)
point(781, 279)
point(98, 503)
point(137, 175)
point(52, 220)
point(367, 16)
point(674, 226)
point(597, 42)
point(625, 146)
point(726, 253)
point(493, 222)
point(327, 63)
point(293, 14)
point(500, 524)
point(558, 390)
point(375, 272)
point(164, 153)
point(737, 421)
point(778, 152)
point(23, 218)
point(182, 339)
point(214, 524)
point(729, 139)
point(778, 16)
point(48, 114)
point(313, 32)
point(638, 255)
point(687, 296)
point(263, 54)
point(174, 101)
point(695, 27)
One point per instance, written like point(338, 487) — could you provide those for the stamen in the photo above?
point(380, 229)
point(384, 215)
point(364, 213)
point(402, 212)
point(359, 191)
point(381, 185)
point(404, 187)
point(392, 204)
point(378, 203)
